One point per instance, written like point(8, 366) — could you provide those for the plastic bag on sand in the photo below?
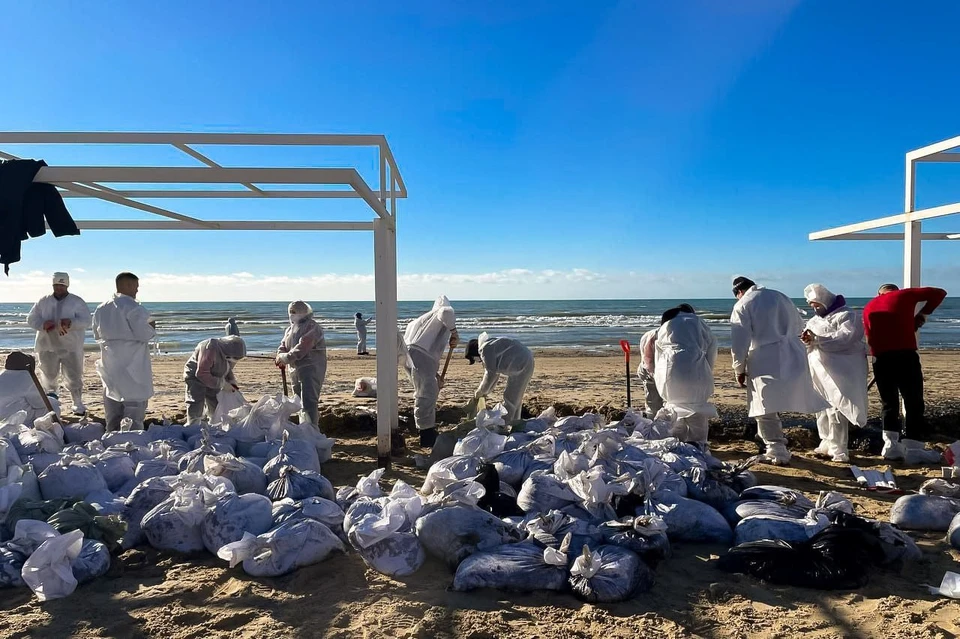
point(492, 418)
point(117, 468)
point(757, 527)
point(49, 424)
point(453, 533)
point(48, 571)
point(30, 441)
point(542, 492)
point(92, 562)
point(70, 478)
point(645, 535)
point(292, 452)
point(384, 537)
point(690, 520)
point(85, 518)
point(550, 528)
point(165, 431)
point(739, 510)
point(835, 558)
point(105, 502)
point(83, 432)
point(446, 471)
point(144, 498)
point(542, 422)
point(368, 486)
point(953, 533)
point(940, 487)
point(234, 515)
point(949, 586)
point(282, 550)
point(924, 512)
point(306, 431)
point(299, 484)
point(155, 468)
point(609, 574)
point(365, 387)
point(216, 440)
point(482, 442)
point(137, 437)
point(245, 476)
point(319, 509)
point(29, 535)
point(513, 466)
point(227, 400)
point(787, 496)
point(174, 524)
point(517, 567)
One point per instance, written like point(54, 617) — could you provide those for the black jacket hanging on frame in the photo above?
point(25, 205)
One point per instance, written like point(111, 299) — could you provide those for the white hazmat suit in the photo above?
point(208, 371)
point(427, 337)
point(648, 348)
point(122, 328)
point(765, 329)
point(61, 326)
point(361, 325)
point(505, 356)
point(304, 349)
point(685, 353)
point(838, 366)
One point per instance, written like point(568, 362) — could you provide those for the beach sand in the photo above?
point(151, 594)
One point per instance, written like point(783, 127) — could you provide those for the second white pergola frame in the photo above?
point(90, 182)
point(911, 218)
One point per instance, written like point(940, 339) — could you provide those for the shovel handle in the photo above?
point(443, 374)
point(43, 396)
point(283, 375)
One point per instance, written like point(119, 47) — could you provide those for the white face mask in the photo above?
point(296, 318)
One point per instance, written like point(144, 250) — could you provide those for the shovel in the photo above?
point(17, 361)
point(443, 374)
point(625, 346)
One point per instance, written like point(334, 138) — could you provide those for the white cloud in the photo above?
point(512, 283)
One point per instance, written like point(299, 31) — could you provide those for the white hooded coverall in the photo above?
point(685, 353)
point(426, 338)
point(505, 356)
point(208, 371)
point(651, 396)
point(838, 366)
point(765, 329)
point(122, 328)
point(361, 325)
point(61, 353)
point(306, 355)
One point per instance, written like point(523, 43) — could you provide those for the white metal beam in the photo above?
point(385, 282)
point(194, 175)
point(226, 225)
point(175, 194)
point(931, 149)
point(901, 218)
point(891, 236)
point(200, 157)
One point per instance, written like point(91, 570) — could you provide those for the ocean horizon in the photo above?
point(591, 325)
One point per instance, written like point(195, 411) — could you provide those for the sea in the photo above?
point(589, 325)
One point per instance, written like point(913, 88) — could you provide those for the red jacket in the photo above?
point(889, 319)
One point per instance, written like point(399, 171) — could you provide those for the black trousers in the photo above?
point(898, 375)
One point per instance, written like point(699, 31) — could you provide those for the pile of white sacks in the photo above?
point(572, 504)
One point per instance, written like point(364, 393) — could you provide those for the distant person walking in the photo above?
point(361, 325)
point(891, 321)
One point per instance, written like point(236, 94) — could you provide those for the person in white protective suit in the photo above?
point(770, 361)
point(651, 396)
point(304, 350)
point(124, 328)
point(61, 322)
point(427, 337)
point(685, 354)
point(208, 371)
point(19, 393)
point(838, 365)
point(502, 356)
point(361, 325)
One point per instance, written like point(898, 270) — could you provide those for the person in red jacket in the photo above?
point(890, 322)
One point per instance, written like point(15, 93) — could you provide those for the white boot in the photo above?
point(78, 406)
point(892, 448)
point(777, 454)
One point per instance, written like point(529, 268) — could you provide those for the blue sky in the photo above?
point(551, 149)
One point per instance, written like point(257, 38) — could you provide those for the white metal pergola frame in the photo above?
point(911, 218)
point(90, 182)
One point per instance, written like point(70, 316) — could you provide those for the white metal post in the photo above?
point(385, 268)
point(912, 231)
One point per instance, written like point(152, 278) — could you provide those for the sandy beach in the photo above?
point(150, 594)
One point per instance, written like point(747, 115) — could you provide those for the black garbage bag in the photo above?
point(31, 509)
point(494, 501)
point(82, 516)
point(836, 558)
